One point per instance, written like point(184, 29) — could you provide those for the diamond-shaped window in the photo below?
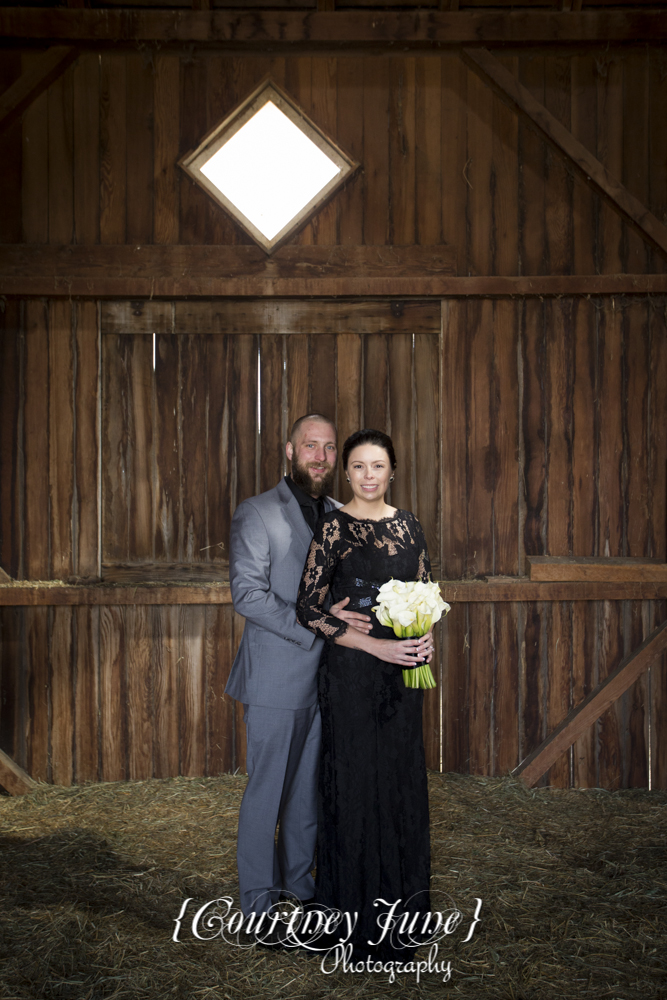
point(269, 166)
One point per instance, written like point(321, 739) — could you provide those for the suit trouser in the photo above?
point(282, 763)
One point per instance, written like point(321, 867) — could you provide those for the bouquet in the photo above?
point(411, 608)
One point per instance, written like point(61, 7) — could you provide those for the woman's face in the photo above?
point(369, 471)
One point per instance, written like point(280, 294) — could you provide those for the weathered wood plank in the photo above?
point(585, 204)
point(37, 638)
point(11, 514)
point(349, 131)
point(427, 439)
point(454, 690)
point(559, 371)
point(271, 430)
point(506, 688)
point(454, 157)
point(35, 165)
point(219, 391)
point(348, 394)
point(61, 363)
point(192, 692)
point(505, 190)
point(428, 143)
point(558, 180)
point(13, 700)
point(506, 440)
point(532, 461)
point(559, 682)
point(113, 694)
point(602, 568)
point(480, 689)
point(11, 223)
point(139, 691)
point(314, 29)
point(532, 153)
point(401, 166)
point(605, 694)
point(636, 141)
point(478, 591)
point(401, 416)
point(602, 178)
point(453, 397)
point(13, 778)
point(167, 495)
point(481, 460)
point(193, 434)
point(219, 709)
point(139, 149)
point(166, 740)
point(36, 441)
point(61, 175)
point(34, 81)
point(86, 148)
point(533, 676)
point(376, 151)
point(113, 148)
point(86, 694)
point(87, 445)
point(62, 698)
point(166, 102)
point(245, 447)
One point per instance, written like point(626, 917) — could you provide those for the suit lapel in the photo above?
point(294, 515)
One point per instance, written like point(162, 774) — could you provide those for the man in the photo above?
point(275, 671)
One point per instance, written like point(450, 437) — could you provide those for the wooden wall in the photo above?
point(525, 426)
point(443, 159)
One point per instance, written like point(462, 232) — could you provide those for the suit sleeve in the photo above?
point(249, 577)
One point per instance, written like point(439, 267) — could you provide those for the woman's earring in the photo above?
point(391, 479)
point(348, 479)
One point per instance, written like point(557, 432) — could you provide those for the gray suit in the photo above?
point(274, 675)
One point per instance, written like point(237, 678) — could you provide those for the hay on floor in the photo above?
point(573, 887)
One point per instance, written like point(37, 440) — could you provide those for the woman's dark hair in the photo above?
point(369, 436)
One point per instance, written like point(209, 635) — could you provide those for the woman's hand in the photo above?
point(405, 652)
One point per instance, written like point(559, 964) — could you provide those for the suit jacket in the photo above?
point(276, 665)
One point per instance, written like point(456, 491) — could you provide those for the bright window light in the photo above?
point(270, 170)
point(269, 166)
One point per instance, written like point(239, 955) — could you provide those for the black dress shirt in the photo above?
point(312, 508)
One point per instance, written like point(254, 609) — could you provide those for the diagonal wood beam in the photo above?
point(33, 82)
point(598, 701)
point(13, 778)
point(521, 100)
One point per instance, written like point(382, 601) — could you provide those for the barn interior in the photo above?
point(486, 281)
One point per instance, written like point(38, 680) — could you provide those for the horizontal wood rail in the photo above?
point(598, 701)
point(605, 569)
point(33, 594)
point(135, 272)
point(270, 30)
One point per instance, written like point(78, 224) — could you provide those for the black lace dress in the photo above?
point(373, 833)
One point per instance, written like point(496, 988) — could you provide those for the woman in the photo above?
point(373, 833)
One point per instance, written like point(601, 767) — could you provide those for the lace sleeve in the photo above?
point(424, 571)
point(323, 557)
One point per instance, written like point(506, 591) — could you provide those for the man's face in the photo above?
point(313, 457)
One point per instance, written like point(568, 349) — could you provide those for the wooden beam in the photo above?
point(239, 271)
point(598, 701)
point(547, 125)
point(604, 569)
point(495, 589)
point(13, 778)
point(283, 29)
point(15, 100)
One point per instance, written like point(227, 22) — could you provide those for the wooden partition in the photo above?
point(522, 427)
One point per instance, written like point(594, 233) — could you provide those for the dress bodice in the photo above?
point(349, 557)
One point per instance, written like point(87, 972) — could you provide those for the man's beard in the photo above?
point(302, 478)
